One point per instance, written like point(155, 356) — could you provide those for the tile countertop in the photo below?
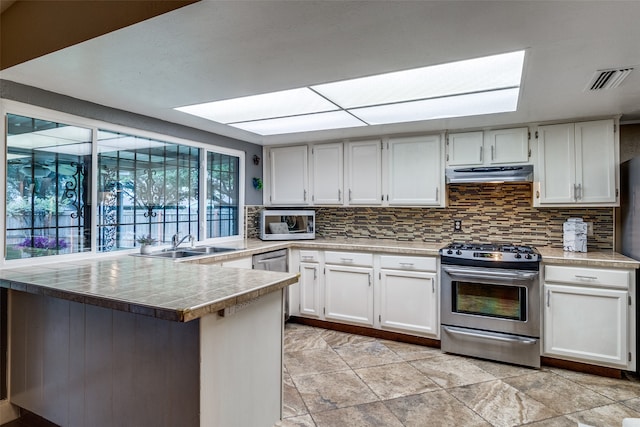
point(155, 287)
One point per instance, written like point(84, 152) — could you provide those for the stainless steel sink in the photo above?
point(175, 254)
point(190, 252)
point(211, 249)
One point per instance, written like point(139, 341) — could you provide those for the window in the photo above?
point(140, 184)
point(145, 187)
point(222, 195)
point(46, 190)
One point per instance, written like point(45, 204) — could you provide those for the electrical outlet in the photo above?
point(457, 225)
point(589, 228)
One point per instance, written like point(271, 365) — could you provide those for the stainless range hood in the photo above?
point(486, 174)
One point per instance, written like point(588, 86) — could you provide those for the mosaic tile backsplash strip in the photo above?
point(489, 213)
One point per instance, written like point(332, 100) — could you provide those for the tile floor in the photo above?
point(337, 379)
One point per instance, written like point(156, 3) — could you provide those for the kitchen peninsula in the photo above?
point(130, 340)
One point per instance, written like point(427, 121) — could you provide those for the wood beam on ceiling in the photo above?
point(32, 28)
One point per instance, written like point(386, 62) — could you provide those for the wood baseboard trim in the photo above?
point(582, 367)
point(369, 332)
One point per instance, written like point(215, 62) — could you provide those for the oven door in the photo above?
point(490, 299)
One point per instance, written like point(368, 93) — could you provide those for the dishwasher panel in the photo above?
point(274, 261)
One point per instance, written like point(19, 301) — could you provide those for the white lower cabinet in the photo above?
point(390, 292)
point(309, 289)
point(587, 313)
point(408, 301)
point(349, 294)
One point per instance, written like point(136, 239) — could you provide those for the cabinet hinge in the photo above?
point(528, 135)
point(381, 145)
point(380, 318)
point(536, 134)
point(324, 310)
point(382, 198)
point(270, 199)
point(529, 152)
point(380, 275)
point(313, 197)
point(447, 157)
point(630, 300)
point(629, 356)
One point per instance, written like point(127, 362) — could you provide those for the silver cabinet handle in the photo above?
point(437, 193)
point(346, 259)
point(548, 298)
point(406, 264)
point(579, 276)
point(315, 273)
point(481, 155)
point(493, 148)
point(433, 286)
point(579, 192)
point(339, 195)
point(307, 258)
point(349, 194)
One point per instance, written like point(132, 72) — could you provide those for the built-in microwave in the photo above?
point(287, 224)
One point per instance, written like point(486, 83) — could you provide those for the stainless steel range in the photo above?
point(490, 301)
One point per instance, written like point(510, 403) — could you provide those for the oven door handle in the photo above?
point(519, 340)
point(484, 274)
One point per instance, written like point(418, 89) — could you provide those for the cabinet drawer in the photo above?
point(587, 276)
point(309, 256)
point(348, 258)
point(408, 263)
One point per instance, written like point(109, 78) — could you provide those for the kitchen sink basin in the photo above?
point(190, 252)
point(211, 249)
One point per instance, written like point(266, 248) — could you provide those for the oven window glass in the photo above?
point(505, 302)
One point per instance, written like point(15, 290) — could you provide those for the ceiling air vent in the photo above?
point(609, 79)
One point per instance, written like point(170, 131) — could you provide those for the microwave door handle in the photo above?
point(479, 273)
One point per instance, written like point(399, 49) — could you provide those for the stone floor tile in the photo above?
point(556, 392)
point(292, 403)
point(609, 415)
point(561, 421)
point(299, 339)
point(367, 415)
point(363, 354)
point(501, 404)
point(301, 421)
point(434, 409)
point(502, 370)
point(339, 339)
point(395, 380)
point(451, 371)
point(411, 351)
point(323, 392)
point(615, 389)
point(311, 362)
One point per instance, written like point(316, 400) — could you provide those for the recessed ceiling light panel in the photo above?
point(499, 101)
point(269, 105)
point(306, 123)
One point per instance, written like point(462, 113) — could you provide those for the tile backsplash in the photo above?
point(489, 213)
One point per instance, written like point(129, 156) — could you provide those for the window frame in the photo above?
point(28, 110)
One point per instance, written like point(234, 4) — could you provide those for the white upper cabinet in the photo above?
point(465, 149)
point(364, 172)
point(414, 174)
point(288, 175)
point(507, 146)
point(495, 147)
point(577, 164)
point(327, 169)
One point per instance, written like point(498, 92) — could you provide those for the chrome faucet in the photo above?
point(176, 241)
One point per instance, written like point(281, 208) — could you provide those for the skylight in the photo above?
point(484, 85)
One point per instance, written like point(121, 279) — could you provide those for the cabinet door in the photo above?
point(586, 324)
point(349, 294)
point(364, 171)
point(507, 146)
point(595, 162)
point(288, 175)
point(408, 302)
point(465, 149)
point(327, 171)
point(309, 290)
point(556, 164)
point(415, 171)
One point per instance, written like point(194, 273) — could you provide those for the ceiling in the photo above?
point(214, 50)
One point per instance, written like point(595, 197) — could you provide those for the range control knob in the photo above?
point(458, 252)
point(528, 256)
point(518, 256)
point(449, 252)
